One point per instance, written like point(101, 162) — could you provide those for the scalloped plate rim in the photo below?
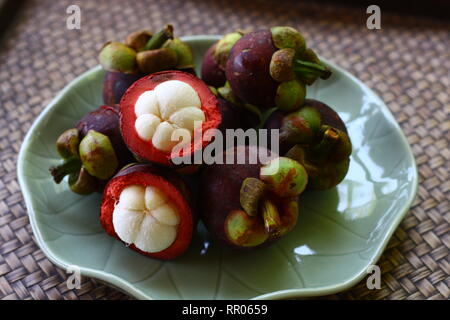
point(128, 288)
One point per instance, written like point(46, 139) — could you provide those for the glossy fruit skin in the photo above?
point(247, 69)
point(115, 84)
point(106, 120)
point(212, 73)
point(145, 150)
point(171, 185)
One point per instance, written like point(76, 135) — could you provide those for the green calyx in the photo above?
point(144, 52)
point(309, 72)
point(287, 37)
point(334, 145)
point(310, 56)
point(271, 218)
point(137, 40)
point(185, 59)
point(287, 66)
point(156, 55)
point(274, 218)
point(150, 61)
point(243, 230)
point(309, 68)
point(82, 182)
point(85, 161)
point(327, 160)
point(300, 126)
point(116, 56)
point(293, 65)
point(67, 143)
point(281, 65)
point(290, 95)
point(159, 38)
point(164, 52)
point(98, 156)
point(224, 46)
point(252, 190)
point(284, 176)
point(269, 204)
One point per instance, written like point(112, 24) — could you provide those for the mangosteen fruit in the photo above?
point(251, 202)
point(271, 68)
point(162, 115)
point(150, 210)
point(93, 151)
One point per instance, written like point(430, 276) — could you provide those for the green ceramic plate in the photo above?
point(340, 232)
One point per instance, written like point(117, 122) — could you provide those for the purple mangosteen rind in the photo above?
point(211, 73)
point(115, 84)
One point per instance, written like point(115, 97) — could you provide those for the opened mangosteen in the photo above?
point(150, 210)
point(142, 53)
point(315, 136)
point(215, 59)
point(270, 68)
point(253, 201)
point(166, 115)
point(93, 151)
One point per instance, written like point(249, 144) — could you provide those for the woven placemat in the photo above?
point(406, 62)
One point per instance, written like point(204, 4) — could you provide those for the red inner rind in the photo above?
point(145, 149)
point(111, 196)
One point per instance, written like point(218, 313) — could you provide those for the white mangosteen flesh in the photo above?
point(166, 114)
point(145, 217)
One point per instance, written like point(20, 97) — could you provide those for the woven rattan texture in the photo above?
point(406, 62)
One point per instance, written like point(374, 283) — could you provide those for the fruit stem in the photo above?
point(324, 147)
point(271, 217)
point(69, 166)
point(306, 69)
point(160, 38)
